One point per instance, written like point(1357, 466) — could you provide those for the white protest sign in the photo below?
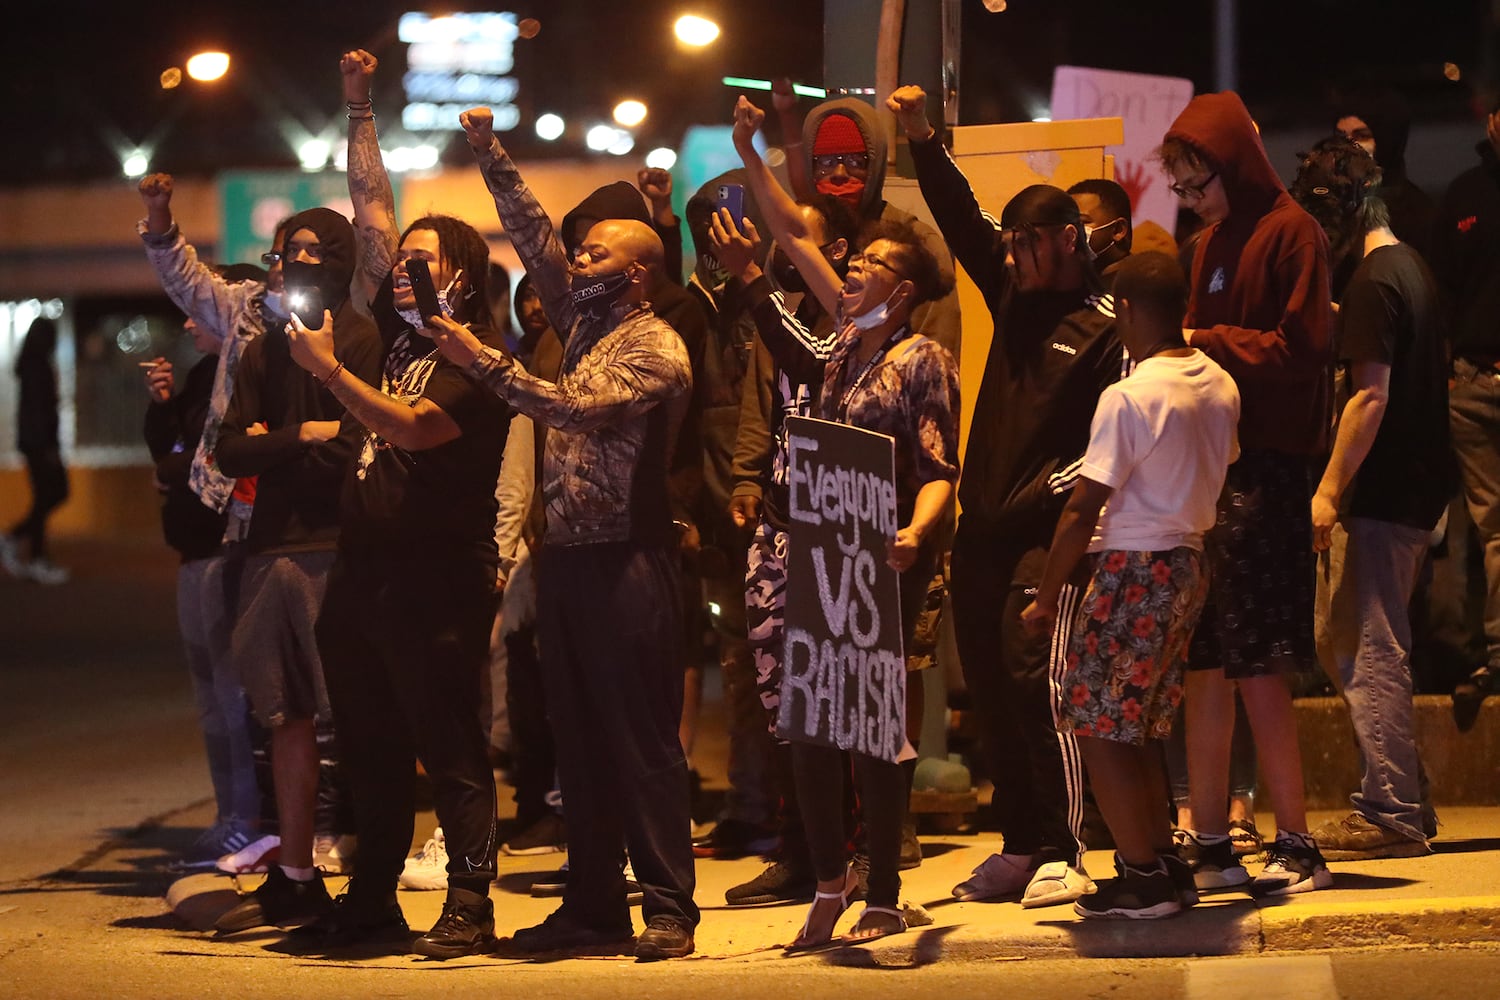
point(1148, 105)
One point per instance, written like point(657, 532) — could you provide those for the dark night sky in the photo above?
point(82, 79)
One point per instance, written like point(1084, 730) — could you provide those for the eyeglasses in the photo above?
point(271, 258)
point(1193, 192)
point(851, 161)
point(867, 260)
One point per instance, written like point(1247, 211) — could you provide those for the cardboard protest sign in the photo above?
point(843, 669)
point(1148, 104)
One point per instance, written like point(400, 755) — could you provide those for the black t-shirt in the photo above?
point(1390, 314)
point(438, 503)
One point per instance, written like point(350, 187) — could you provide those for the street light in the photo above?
point(695, 31)
point(662, 158)
point(600, 137)
point(550, 126)
point(207, 66)
point(135, 164)
point(313, 153)
point(630, 113)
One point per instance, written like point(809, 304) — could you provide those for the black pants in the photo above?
point(405, 646)
point(882, 786)
point(533, 761)
point(609, 621)
point(49, 488)
point(1011, 677)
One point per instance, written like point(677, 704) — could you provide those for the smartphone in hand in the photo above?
point(307, 305)
point(423, 288)
point(732, 197)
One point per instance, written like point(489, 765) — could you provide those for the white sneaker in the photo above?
point(428, 868)
point(1056, 882)
point(45, 572)
point(334, 853)
point(999, 876)
point(254, 858)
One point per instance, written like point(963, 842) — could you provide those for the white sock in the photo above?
point(298, 874)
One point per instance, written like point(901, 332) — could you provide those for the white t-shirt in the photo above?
point(1163, 439)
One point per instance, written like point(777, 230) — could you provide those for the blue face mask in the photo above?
point(275, 304)
point(872, 318)
point(595, 295)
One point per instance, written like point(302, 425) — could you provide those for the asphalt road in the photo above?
point(102, 782)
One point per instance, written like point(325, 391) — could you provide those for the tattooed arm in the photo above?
point(369, 184)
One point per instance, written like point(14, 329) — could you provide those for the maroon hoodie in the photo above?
point(1260, 302)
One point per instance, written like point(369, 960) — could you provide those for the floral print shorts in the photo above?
point(1123, 679)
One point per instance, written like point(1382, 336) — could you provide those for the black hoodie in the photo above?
point(1389, 119)
point(297, 493)
point(1466, 257)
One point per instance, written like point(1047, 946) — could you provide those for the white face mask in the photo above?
point(413, 316)
point(275, 303)
point(872, 318)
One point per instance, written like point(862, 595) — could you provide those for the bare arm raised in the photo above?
point(369, 184)
point(781, 211)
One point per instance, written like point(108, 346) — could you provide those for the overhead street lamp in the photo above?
point(695, 31)
point(207, 66)
point(630, 113)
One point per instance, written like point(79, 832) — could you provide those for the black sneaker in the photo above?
point(1476, 687)
point(1182, 877)
point(779, 883)
point(355, 919)
point(548, 835)
point(663, 937)
point(1214, 865)
point(555, 883)
point(279, 900)
point(1293, 864)
point(561, 933)
point(467, 927)
point(1135, 895)
point(735, 838)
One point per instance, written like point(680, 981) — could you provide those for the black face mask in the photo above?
point(595, 295)
point(787, 277)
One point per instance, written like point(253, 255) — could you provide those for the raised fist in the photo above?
point(358, 68)
point(747, 120)
point(479, 127)
point(783, 97)
point(655, 184)
point(909, 105)
point(156, 191)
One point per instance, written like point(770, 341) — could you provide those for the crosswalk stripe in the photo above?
point(1301, 977)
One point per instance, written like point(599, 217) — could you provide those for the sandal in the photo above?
point(1244, 838)
point(862, 931)
point(804, 939)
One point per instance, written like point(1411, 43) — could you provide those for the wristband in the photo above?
point(331, 375)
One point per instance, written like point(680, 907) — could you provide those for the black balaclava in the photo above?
point(329, 279)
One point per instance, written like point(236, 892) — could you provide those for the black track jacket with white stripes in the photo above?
point(1051, 356)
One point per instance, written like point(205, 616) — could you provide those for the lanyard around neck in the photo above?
point(869, 366)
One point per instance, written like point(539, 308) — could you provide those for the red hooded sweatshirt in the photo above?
point(1260, 303)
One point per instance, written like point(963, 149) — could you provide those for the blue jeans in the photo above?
point(1365, 582)
point(205, 617)
point(1474, 419)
